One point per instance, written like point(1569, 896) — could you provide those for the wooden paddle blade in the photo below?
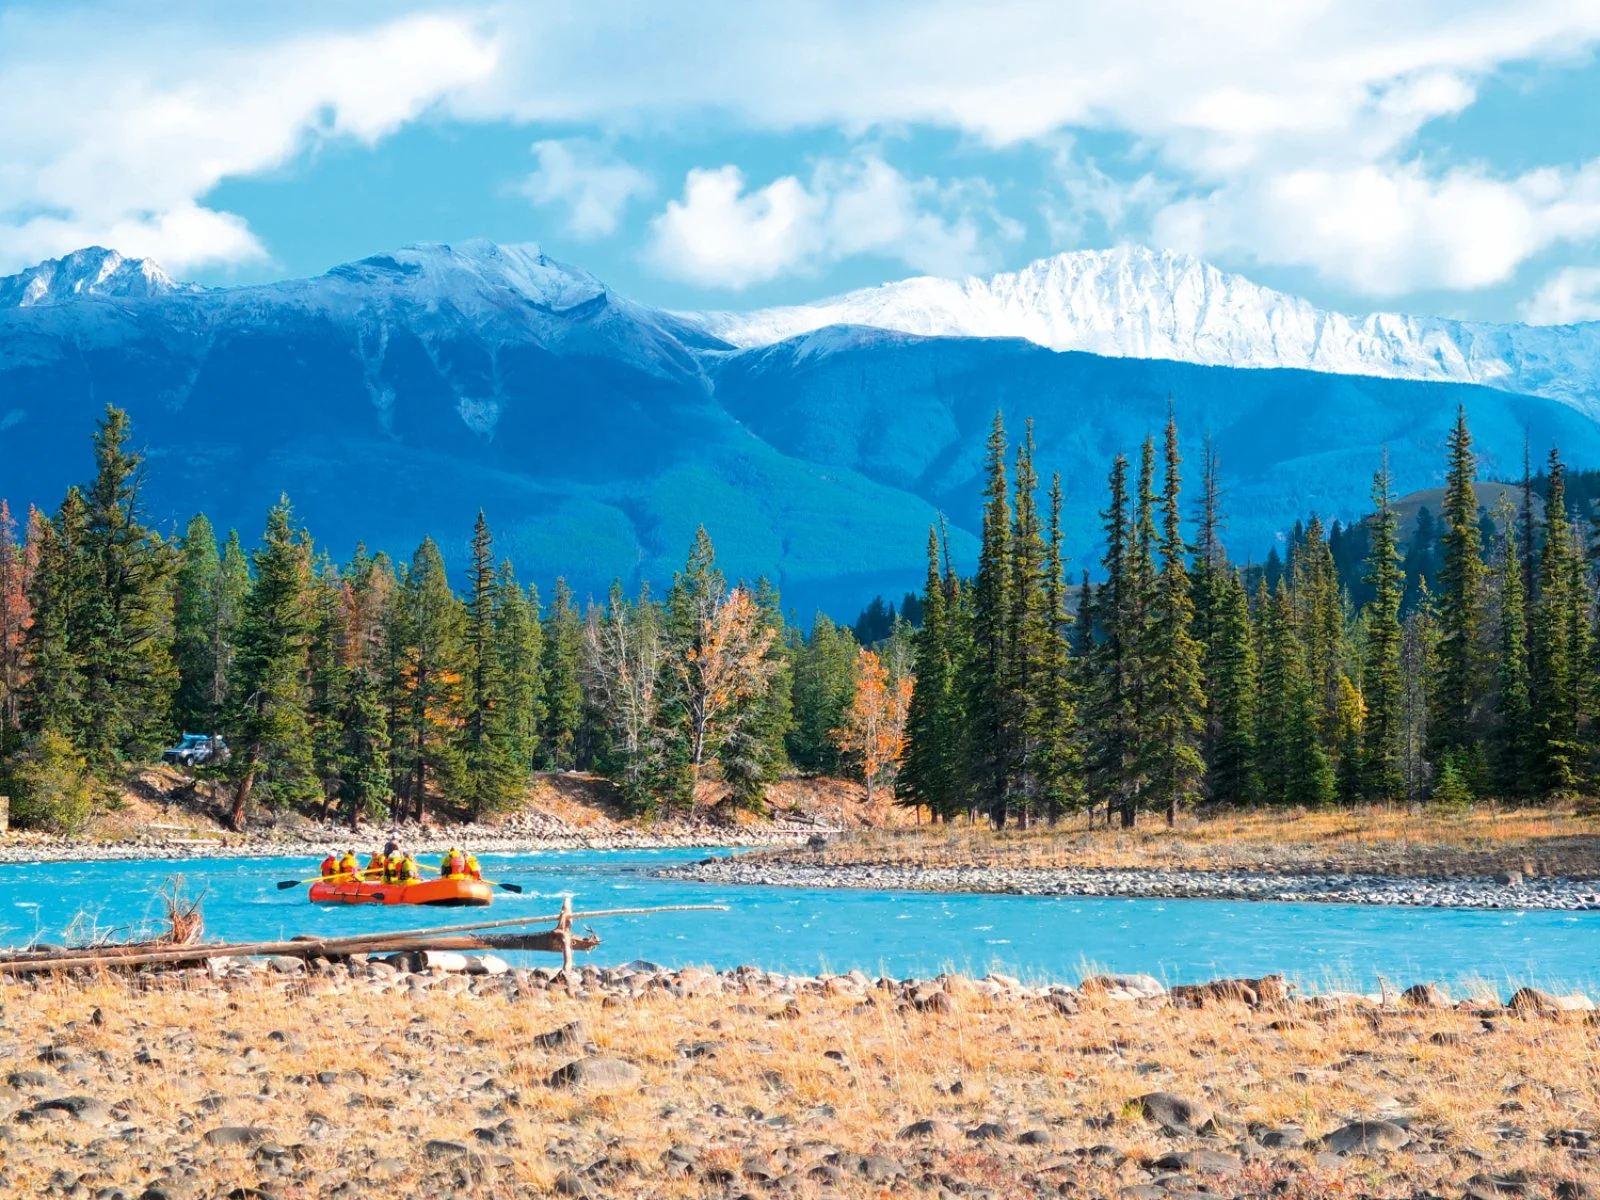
point(285, 884)
point(510, 887)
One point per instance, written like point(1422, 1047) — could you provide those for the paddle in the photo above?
point(285, 884)
point(504, 887)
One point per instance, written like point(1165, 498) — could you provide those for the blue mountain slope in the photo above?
point(912, 413)
point(393, 397)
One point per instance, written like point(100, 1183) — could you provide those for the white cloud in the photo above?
point(594, 185)
point(1568, 296)
point(1390, 230)
point(122, 150)
point(721, 235)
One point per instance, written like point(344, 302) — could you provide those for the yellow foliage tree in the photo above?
point(874, 732)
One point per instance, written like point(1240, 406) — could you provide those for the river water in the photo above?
point(895, 933)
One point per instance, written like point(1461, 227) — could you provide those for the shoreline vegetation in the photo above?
point(640, 1081)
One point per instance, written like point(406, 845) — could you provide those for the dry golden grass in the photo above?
point(1480, 841)
point(768, 1096)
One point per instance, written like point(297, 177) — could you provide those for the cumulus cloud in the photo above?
point(1568, 296)
point(592, 184)
point(722, 234)
point(1390, 230)
point(123, 152)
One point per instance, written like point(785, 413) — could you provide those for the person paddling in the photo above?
point(471, 868)
point(349, 865)
point(330, 865)
point(453, 865)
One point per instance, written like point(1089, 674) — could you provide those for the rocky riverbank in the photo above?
point(415, 1078)
point(311, 841)
point(1511, 891)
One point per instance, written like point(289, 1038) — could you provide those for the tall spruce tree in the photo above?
point(1382, 777)
point(991, 730)
point(1233, 697)
point(1028, 636)
point(563, 693)
point(1461, 688)
point(269, 728)
point(433, 665)
point(1174, 703)
point(1556, 657)
point(519, 639)
point(1058, 759)
point(493, 775)
point(126, 649)
point(1513, 740)
point(194, 599)
point(1139, 636)
point(822, 685)
point(53, 696)
point(1107, 630)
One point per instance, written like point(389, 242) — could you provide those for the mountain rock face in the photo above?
point(1137, 303)
point(393, 397)
point(94, 271)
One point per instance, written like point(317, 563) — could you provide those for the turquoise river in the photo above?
point(898, 933)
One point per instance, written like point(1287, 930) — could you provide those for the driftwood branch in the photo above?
point(445, 937)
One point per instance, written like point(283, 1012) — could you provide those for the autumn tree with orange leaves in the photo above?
point(874, 733)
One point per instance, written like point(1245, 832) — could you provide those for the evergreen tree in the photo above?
point(1138, 637)
point(1174, 703)
point(1293, 766)
point(1463, 675)
point(1419, 660)
point(364, 786)
point(1513, 761)
point(269, 729)
point(433, 657)
point(752, 756)
point(1555, 657)
point(328, 680)
point(16, 569)
point(1028, 636)
point(125, 654)
point(931, 776)
point(1111, 729)
point(563, 694)
point(1232, 778)
point(1381, 740)
point(519, 639)
point(1058, 759)
point(194, 597)
point(1209, 588)
point(991, 730)
point(822, 686)
point(492, 773)
point(53, 694)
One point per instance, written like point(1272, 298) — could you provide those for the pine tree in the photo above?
point(125, 653)
point(492, 772)
point(1028, 636)
point(1555, 658)
point(364, 787)
point(1419, 655)
point(519, 638)
point(433, 656)
point(1294, 769)
point(1174, 703)
point(1319, 618)
point(1138, 637)
point(1463, 679)
point(1058, 759)
point(329, 683)
point(1513, 732)
point(1111, 732)
point(1209, 587)
point(991, 731)
point(194, 598)
point(53, 694)
point(1382, 777)
point(822, 686)
point(930, 776)
point(563, 694)
point(752, 756)
point(269, 730)
point(16, 569)
point(1232, 778)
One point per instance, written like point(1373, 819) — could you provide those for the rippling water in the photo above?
point(898, 933)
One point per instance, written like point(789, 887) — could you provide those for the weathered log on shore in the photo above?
point(470, 936)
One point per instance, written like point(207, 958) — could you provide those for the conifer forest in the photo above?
point(1409, 656)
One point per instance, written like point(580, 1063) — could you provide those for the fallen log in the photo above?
point(445, 937)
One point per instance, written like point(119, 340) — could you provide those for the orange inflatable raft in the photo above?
point(446, 893)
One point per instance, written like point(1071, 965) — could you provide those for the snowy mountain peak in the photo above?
point(1134, 302)
point(468, 274)
point(92, 271)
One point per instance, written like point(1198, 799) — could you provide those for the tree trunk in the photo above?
point(241, 793)
point(1172, 810)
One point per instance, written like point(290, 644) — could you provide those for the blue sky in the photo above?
point(1430, 157)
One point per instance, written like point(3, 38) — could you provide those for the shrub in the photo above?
point(51, 787)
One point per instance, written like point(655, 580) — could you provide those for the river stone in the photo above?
point(1126, 987)
point(87, 1109)
point(1497, 1187)
point(1202, 1162)
point(1425, 995)
point(1531, 1000)
point(573, 1034)
point(927, 1127)
point(1174, 1113)
point(235, 1135)
point(597, 1074)
point(444, 961)
point(487, 964)
point(1365, 1137)
point(1285, 1137)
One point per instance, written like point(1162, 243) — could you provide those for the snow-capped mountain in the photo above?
point(93, 271)
point(1132, 302)
point(394, 396)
